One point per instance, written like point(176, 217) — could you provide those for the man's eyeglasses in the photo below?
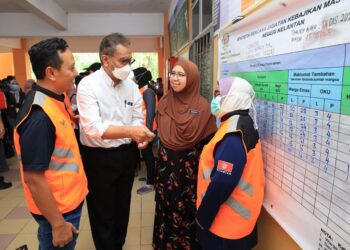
point(179, 75)
point(127, 61)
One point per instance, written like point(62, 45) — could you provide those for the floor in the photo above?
point(18, 228)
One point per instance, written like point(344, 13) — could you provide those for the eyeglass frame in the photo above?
point(129, 61)
point(179, 75)
point(124, 61)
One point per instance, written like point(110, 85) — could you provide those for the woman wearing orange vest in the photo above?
point(52, 172)
point(231, 174)
point(149, 106)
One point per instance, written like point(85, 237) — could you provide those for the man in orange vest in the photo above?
point(231, 174)
point(52, 172)
point(142, 76)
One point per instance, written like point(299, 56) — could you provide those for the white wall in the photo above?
point(91, 44)
point(83, 24)
point(7, 44)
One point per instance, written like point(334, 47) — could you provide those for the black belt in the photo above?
point(115, 149)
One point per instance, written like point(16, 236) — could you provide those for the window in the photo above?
point(202, 16)
point(195, 20)
point(148, 60)
point(206, 12)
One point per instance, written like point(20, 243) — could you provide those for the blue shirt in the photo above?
point(37, 140)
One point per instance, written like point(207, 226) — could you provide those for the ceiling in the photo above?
point(98, 6)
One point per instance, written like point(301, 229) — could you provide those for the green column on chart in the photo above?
point(345, 100)
point(268, 85)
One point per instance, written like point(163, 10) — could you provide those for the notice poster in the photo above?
point(299, 66)
point(229, 10)
point(226, 11)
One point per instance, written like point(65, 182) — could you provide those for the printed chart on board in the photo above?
point(299, 66)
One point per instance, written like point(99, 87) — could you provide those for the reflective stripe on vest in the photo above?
point(63, 166)
point(63, 153)
point(60, 166)
point(242, 184)
point(236, 206)
point(39, 99)
point(206, 173)
point(232, 126)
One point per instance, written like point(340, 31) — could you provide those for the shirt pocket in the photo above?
point(127, 116)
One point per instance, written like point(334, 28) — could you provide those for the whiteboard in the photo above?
point(299, 65)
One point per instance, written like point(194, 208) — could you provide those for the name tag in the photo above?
point(194, 112)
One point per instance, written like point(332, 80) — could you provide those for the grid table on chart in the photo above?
point(306, 153)
point(303, 115)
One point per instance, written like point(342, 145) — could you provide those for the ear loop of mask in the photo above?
point(140, 75)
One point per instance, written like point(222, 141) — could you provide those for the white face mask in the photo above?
point(122, 73)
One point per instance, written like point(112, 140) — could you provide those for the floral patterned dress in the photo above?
point(176, 194)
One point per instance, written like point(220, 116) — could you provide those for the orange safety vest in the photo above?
point(236, 217)
point(65, 175)
point(68, 107)
point(142, 91)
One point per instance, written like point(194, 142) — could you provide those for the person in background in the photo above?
point(72, 96)
point(3, 164)
point(28, 85)
point(215, 105)
point(53, 176)
point(231, 173)
point(111, 128)
point(160, 88)
point(14, 99)
point(92, 68)
point(185, 124)
point(149, 104)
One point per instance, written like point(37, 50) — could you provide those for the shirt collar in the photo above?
point(49, 93)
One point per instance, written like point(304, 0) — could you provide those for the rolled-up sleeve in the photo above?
point(90, 120)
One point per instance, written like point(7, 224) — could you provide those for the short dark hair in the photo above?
point(44, 54)
point(94, 67)
point(108, 43)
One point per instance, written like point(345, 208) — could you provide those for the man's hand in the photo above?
point(141, 134)
point(142, 145)
point(62, 231)
point(62, 234)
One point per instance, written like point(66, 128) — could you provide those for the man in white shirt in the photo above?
point(111, 125)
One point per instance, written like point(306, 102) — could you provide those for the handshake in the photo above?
point(141, 135)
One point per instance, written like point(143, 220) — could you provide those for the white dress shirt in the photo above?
point(101, 105)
